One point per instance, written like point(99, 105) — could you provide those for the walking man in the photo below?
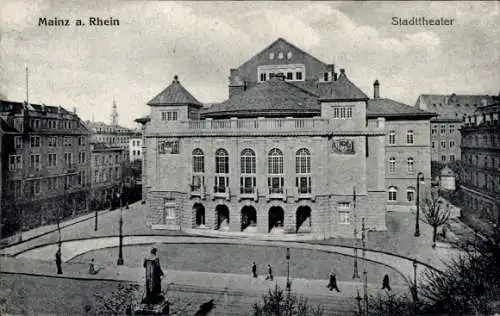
point(269, 273)
point(333, 282)
point(254, 270)
point(58, 262)
point(385, 283)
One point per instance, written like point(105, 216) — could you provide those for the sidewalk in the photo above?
point(210, 282)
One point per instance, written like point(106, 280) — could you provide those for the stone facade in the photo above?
point(306, 161)
point(480, 188)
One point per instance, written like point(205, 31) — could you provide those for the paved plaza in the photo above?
point(35, 257)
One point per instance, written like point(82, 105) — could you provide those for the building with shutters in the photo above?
point(295, 149)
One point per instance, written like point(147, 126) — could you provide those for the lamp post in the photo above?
point(120, 247)
point(288, 283)
point(415, 293)
point(355, 274)
point(365, 275)
point(420, 177)
point(358, 298)
point(58, 221)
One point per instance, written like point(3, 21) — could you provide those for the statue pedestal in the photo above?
point(159, 308)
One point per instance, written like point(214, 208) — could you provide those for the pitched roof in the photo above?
point(274, 97)
point(382, 107)
point(283, 43)
point(453, 106)
point(341, 89)
point(174, 94)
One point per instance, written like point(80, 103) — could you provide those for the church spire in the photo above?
point(114, 114)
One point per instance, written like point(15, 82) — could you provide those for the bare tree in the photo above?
point(434, 213)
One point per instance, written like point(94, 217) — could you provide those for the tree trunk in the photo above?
point(434, 236)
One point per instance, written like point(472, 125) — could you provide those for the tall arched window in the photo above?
point(393, 191)
point(409, 137)
point(248, 171)
point(198, 179)
point(275, 180)
point(392, 137)
point(392, 164)
point(221, 171)
point(303, 171)
point(411, 165)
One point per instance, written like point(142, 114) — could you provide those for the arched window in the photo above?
point(248, 171)
point(392, 137)
point(303, 170)
point(221, 171)
point(275, 180)
point(221, 161)
point(392, 164)
point(411, 165)
point(410, 194)
point(393, 193)
point(198, 161)
point(409, 137)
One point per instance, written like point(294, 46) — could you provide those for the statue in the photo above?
point(154, 274)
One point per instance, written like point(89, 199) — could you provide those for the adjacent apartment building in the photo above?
point(445, 128)
point(480, 189)
point(45, 164)
point(297, 148)
point(106, 169)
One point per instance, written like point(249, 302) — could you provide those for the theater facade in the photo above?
point(292, 151)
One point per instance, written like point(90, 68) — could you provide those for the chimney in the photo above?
point(236, 85)
point(342, 72)
point(331, 71)
point(376, 90)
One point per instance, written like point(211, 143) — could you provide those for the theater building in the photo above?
point(294, 150)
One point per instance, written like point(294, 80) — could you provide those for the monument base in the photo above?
point(161, 307)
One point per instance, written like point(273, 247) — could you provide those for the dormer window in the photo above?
point(263, 77)
point(271, 56)
point(325, 76)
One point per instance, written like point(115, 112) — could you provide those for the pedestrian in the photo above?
point(58, 262)
point(385, 283)
point(333, 282)
point(254, 270)
point(269, 273)
point(92, 267)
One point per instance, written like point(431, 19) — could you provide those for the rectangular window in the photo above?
point(289, 76)
point(15, 162)
point(452, 143)
point(263, 77)
point(168, 147)
point(81, 157)
point(443, 158)
point(35, 187)
point(325, 76)
point(221, 184)
point(18, 142)
point(275, 185)
point(81, 141)
point(52, 160)
point(452, 157)
point(247, 185)
point(68, 158)
point(451, 128)
point(344, 213)
point(433, 130)
point(52, 141)
point(443, 144)
point(35, 141)
point(342, 112)
point(303, 184)
point(392, 137)
point(68, 141)
point(433, 144)
point(35, 161)
point(443, 129)
point(298, 75)
point(169, 208)
point(52, 183)
point(174, 116)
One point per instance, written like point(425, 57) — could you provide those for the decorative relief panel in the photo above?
point(343, 147)
point(168, 146)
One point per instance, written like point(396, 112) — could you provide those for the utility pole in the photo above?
point(365, 276)
point(355, 274)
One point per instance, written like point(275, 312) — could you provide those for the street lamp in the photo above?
point(120, 247)
point(355, 274)
point(288, 283)
point(420, 177)
point(415, 294)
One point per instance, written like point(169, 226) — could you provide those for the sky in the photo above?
point(85, 67)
